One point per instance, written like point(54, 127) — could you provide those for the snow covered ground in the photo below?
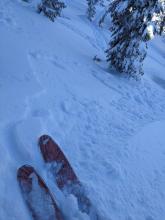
point(111, 128)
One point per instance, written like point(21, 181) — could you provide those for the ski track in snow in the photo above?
point(97, 118)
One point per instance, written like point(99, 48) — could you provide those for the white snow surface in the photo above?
point(112, 129)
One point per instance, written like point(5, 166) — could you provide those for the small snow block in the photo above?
point(51, 152)
point(37, 196)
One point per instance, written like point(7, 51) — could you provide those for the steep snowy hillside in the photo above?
point(110, 128)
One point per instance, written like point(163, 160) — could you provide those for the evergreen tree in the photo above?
point(133, 24)
point(51, 8)
point(91, 11)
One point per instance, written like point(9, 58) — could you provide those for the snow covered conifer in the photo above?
point(133, 24)
point(51, 8)
point(91, 9)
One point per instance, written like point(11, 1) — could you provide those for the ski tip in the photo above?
point(23, 177)
point(24, 171)
point(48, 148)
point(44, 140)
point(28, 179)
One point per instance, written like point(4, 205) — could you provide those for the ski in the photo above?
point(37, 196)
point(64, 175)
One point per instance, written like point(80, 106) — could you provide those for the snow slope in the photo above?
point(110, 128)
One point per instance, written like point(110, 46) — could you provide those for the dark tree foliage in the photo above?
point(91, 11)
point(133, 24)
point(51, 8)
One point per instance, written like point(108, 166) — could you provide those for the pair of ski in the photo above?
point(37, 195)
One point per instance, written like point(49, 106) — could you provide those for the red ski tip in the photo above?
point(48, 148)
point(51, 152)
point(37, 195)
point(64, 175)
point(24, 172)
